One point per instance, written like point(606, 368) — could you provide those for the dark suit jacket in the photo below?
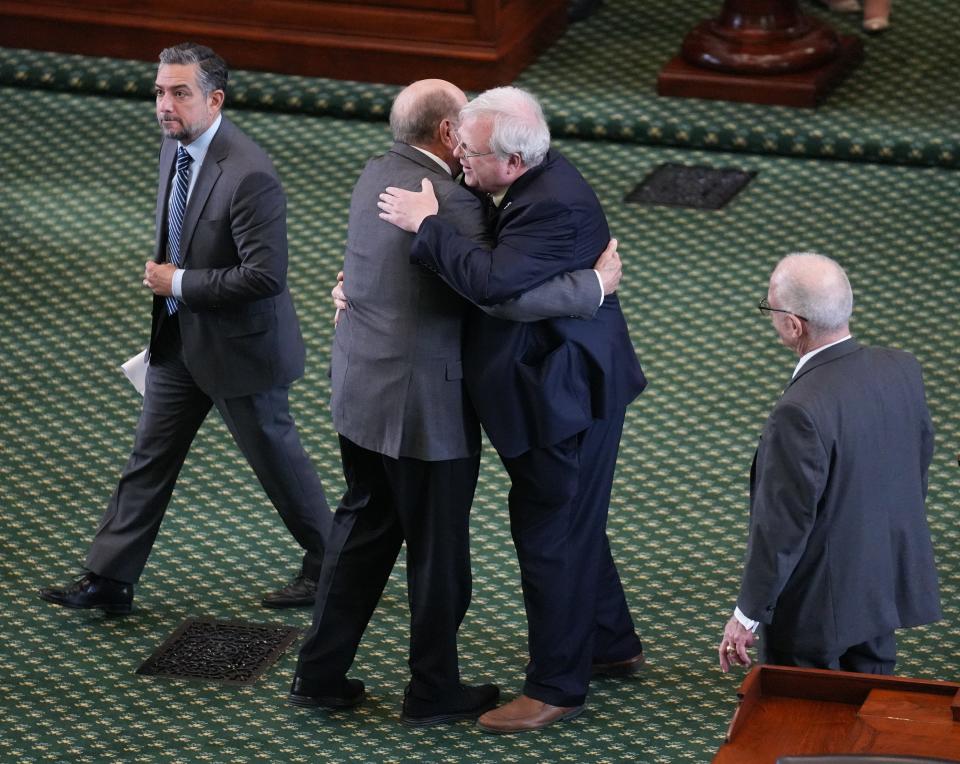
point(536, 384)
point(238, 326)
point(839, 549)
point(396, 371)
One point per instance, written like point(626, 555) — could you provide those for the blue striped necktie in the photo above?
point(178, 206)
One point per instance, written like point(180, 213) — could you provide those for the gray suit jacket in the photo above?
point(396, 372)
point(839, 549)
point(238, 326)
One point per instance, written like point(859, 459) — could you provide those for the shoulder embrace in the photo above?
point(452, 196)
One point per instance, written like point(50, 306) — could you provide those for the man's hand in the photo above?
point(339, 298)
point(407, 209)
point(733, 647)
point(158, 278)
point(610, 268)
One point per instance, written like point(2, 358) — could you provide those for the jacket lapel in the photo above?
point(526, 179)
point(206, 180)
point(168, 153)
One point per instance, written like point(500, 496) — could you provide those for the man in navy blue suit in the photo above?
point(551, 395)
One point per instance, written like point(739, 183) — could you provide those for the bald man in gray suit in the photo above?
point(839, 553)
point(409, 437)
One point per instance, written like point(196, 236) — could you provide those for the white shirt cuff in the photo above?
point(744, 621)
point(175, 287)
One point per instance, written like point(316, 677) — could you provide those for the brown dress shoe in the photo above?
point(619, 668)
point(524, 714)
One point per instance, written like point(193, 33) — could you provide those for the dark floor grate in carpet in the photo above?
point(702, 188)
point(229, 652)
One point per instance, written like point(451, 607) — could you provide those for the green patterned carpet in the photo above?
point(76, 217)
point(598, 82)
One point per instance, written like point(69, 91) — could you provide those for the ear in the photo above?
point(446, 134)
point(514, 164)
point(797, 327)
point(216, 100)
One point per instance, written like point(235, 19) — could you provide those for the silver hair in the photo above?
point(519, 126)
point(212, 71)
point(823, 296)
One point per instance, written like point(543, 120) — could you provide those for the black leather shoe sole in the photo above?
point(113, 608)
point(329, 702)
point(427, 721)
point(320, 701)
point(287, 602)
point(300, 592)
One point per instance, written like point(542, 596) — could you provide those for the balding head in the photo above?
point(817, 288)
point(420, 108)
point(518, 123)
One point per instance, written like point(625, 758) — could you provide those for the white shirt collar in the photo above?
point(498, 198)
point(813, 352)
point(435, 158)
point(198, 149)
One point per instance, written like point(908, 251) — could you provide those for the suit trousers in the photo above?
point(173, 410)
point(874, 656)
point(577, 612)
point(389, 501)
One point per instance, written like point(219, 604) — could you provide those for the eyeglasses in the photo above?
point(765, 309)
point(465, 153)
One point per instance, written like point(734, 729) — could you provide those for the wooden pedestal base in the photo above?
point(804, 89)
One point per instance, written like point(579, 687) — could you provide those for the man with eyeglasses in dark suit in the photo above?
point(839, 553)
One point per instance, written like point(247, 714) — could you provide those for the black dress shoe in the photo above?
point(300, 592)
point(93, 592)
point(349, 693)
point(619, 668)
point(470, 703)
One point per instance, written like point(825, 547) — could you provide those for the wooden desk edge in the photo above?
point(821, 684)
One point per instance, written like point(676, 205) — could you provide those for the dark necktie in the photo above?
point(178, 206)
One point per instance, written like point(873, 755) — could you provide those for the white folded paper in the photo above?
point(136, 371)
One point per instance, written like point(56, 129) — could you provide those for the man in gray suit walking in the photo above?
point(224, 334)
point(409, 438)
point(839, 553)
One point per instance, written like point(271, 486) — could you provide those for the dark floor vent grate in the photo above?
point(702, 188)
point(229, 652)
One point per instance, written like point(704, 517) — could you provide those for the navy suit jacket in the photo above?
point(538, 383)
point(238, 326)
point(839, 549)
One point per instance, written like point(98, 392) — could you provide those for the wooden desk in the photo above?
point(790, 711)
point(474, 43)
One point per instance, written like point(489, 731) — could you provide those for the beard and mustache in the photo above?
point(175, 128)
